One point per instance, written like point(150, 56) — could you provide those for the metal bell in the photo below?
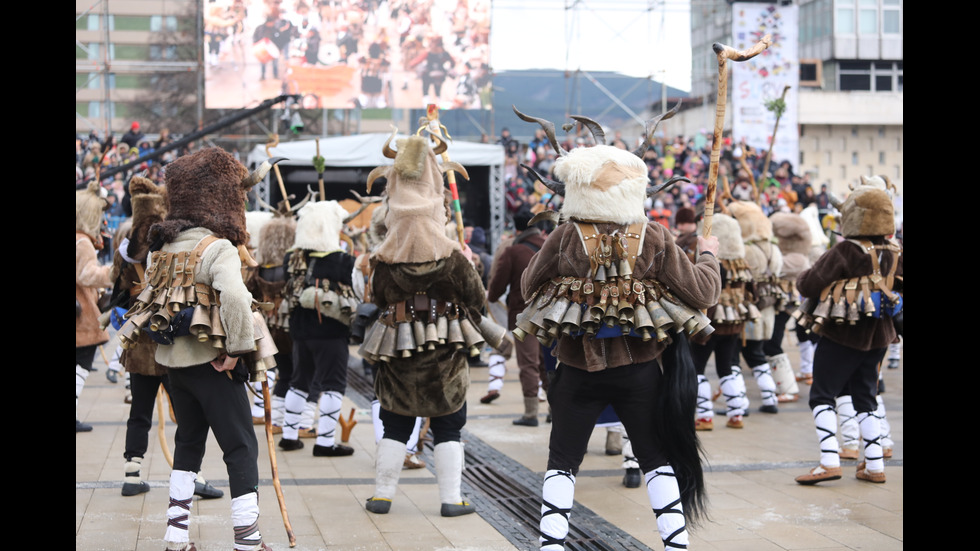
point(611, 316)
point(491, 331)
point(217, 329)
point(177, 299)
point(454, 333)
point(600, 273)
point(371, 347)
point(626, 312)
point(730, 316)
point(471, 337)
point(853, 315)
point(624, 269)
point(612, 271)
point(201, 323)
point(643, 323)
point(839, 310)
point(431, 335)
point(265, 345)
point(571, 320)
point(388, 348)
point(405, 339)
point(661, 320)
point(590, 323)
point(823, 309)
point(754, 312)
point(869, 307)
point(442, 329)
point(677, 312)
point(552, 317)
point(719, 313)
point(418, 331)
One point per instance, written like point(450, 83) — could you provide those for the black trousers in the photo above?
point(203, 400)
point(85, 356)
point(446, 428)
point(577, 397)
point(753, 354)
point(725, 349)
point(774, 346)
point(320, 365)
point(837, 368)
point(144, 389)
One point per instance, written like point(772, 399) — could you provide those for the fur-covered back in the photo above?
point(792, 231)
point(149, 207)
point(868, 210)
point(275, 238)
point(729, 234)
point(205, 189)
point(377, 230)
point(811, 215)
point(319, 226)
point(754, 223)
point(90, 203)
point(603, 183)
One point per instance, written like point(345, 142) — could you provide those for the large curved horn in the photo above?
point(651, 126)
point(453, 165)
point(265, 205)
point(260, 172)
point(441, 146)
point(558, 188)
point(549, 130)
point(387, 150)
point(354, 214)
point(653, 190)
point(595, 128)
point(375, 174)
point(310, 196)
point(368, 199)
point(545, 215)
point(836, 201)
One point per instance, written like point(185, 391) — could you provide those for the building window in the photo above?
point(132, 23)
point(878, 76)
point(868, 17)
point(159, 23)
point(845, 16)
point(891, 16)
point(854, 158)
point(881, 157)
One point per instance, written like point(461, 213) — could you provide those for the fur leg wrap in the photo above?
point(825, 420)
point(782, 374)
point(886, 428)
point(871, 435)
point(178, 513)
point(767, 386)
point(295, 402)
point(308, 420)
point(850, 433)
point(449, 471)
point(80, 375)
point(496, 372)
point(330, 403)
point(245, 519)
point(132, 470)
point(704, 409)
point(733, 390)
point(557, 498)
point(665, 498)
point(388, 468)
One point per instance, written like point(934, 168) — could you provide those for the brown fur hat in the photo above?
point(868, 210)
point(149, 207)
point(754, 223)
point(205, 189)
point(685, 215)
point(792, 231)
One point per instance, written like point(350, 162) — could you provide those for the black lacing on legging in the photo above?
point(181, 520)
point(552, 510)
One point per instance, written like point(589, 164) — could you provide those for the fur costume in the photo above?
point(818, 239)
point(90, 276)
point(848, 355)
point(604, 224)
point(765, 260)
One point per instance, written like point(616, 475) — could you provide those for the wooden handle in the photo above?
point(267, 398)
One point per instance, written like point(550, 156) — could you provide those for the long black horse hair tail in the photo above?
point(675, 423)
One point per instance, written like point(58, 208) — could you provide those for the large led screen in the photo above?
point(345, 54)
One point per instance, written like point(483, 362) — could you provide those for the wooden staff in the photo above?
point(267, 406)
point(724, 53)
point(436, 132)
point(273, 142)
point(772, 140)
point(319, 164)
point(161, 422)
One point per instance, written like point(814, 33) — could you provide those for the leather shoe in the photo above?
point(190, 547)
point(111, 376)
point(769, 409)
point(457, 509)
point(849, 453)
point(819, 474)
point(289, 445)
point(632, 478)
point(207, 491)
point(337, 450)
point(132, 489)
point(378, 506)
point(307, 433)
point(491, 396)
point(82, 427)
point(869, 476)
point(526, 421)
point(706, 423)
point(735, 422)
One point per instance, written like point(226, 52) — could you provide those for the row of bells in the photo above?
point(159, 313)
point(546, 319)
point(741, 311)
point(812, 314)
point(383, 342)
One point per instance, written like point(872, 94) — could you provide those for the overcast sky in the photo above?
point(635, 37)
